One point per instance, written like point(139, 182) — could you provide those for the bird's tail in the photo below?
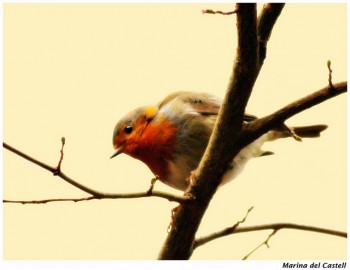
point(303, 131)
point(254, 149)
point(309, 131)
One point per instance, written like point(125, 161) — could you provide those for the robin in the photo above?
point(170, 137)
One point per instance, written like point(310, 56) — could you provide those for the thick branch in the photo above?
point(187, 218)
point(267, 20)
point(231, 113)
point(275, 226)
point(96, 194)
point(229, 136)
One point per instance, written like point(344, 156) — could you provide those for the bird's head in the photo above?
point(128, 131)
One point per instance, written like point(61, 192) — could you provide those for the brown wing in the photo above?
point(203, 103)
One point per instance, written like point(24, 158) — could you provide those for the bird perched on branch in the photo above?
point(170, 137)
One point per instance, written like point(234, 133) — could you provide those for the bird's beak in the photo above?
point(117, 151)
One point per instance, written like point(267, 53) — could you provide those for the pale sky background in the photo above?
point(74, 69)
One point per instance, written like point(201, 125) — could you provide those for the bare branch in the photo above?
point(27, 157)
point(330, 74)
point(179, 242)
point(266, 243)
point(50, 200)
point(169, 197)
point(292, 133)
point(96, 194)
point(153, 181)
point(203, 240)
point(266, 22)
point(275, 227)
point(58, 168)
point(210, 11)
point(133, 195)
point(279, 226)
point(258, 127)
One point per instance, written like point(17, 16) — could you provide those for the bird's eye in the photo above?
point(128, 129)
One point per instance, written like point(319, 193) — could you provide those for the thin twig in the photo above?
point(51, 200)
point(280, 226)
point(133, 195)
point(266, 243)
point(153, 181)
point(274, 226)
point(210, 11)
point(27, 157)
point(94, 193)
point(203, 240)
point(292, 133)
point(58, 168)
point(329, 73)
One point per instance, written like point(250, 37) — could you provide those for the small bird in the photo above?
point(171, 136)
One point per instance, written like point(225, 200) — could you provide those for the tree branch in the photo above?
point(95, 194)
point(58, 168)
point(179, 242)
point(210, 11)
point(329, 74)
point(50, 200)
point(203, 240)
point(266, 21)
point(279, 226)
point(275, 227)
point(260, 126)
point(101, 195)
point(266, 243)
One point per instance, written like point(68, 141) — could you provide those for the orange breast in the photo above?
point(156, 146)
